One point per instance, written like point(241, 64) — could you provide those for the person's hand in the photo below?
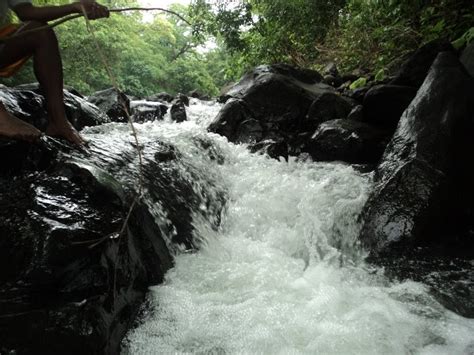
point(92, 9)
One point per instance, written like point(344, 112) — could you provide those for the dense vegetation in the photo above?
point(356, 34)
point(162, 53)
point(147, 54)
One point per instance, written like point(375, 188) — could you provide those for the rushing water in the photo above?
point(284, 273)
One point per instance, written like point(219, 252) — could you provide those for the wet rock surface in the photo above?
point(178, 110)
point(70, 280)
point(421, 166)
point(143, 111)
point(27, 103)
point(346, 140)
point(423, 196)
point(113, 103)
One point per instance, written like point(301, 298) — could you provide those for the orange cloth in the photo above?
point(11, 69)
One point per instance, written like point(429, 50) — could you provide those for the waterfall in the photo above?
point(284, 273)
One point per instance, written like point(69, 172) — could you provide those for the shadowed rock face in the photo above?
point(384, 105)
point(422, 183)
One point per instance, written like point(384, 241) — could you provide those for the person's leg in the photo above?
point(43, 45)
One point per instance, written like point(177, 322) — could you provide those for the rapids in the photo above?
point(284, 273)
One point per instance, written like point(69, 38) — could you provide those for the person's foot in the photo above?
point(67, 131)
point(12, 127)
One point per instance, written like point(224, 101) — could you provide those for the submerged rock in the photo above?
point(114, 103)
point(424, 181)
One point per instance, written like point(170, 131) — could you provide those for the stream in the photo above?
point(284, 273)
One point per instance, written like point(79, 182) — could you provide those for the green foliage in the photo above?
point(160, 54)
point(268, 30)
point(359, 83)
point(465, 39)
point(375, 34)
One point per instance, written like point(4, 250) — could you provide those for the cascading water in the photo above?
point(284, 273)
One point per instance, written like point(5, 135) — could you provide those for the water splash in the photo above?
point(284, 274)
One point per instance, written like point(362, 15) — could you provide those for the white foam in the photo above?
point(284, 275)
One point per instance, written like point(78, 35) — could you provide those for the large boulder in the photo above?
point(413, 71)
point(384, 104)
point(27, 102)
point(114, 103)
point(278, 97)
point(346, 140)
point(424, 182)
point(74, 269)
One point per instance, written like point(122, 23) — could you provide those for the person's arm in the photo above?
point(29, 12)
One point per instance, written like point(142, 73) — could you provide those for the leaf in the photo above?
point(359, 83)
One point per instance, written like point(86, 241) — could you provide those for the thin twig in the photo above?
point(139, 194)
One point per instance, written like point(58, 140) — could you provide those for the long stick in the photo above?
point(72, 17)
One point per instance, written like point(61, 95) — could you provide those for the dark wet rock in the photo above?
point(183, 98)
point(346, 140)
point(162, 96)
point(271, 148)
point(384, 104)
point(423, 186)
point(229, 119)
point(357, 113)
point(331, 69)
point(147, 111)
point(446, 272)
point(68, 280)
point(328, 106)
point(331, 75)
point(413, 72)
point(114, 103)
point(250, 131)
point(467, 58)
point(278, 97)
point(27, 103)
point(198, 95)
point(357, 94)
point(178, 111)
point(349, 77)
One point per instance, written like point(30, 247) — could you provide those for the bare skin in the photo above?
point(14, 128)
point(43, 46)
